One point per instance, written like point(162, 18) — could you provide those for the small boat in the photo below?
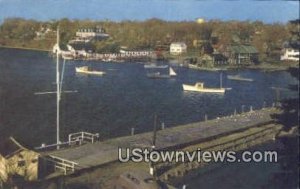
point(153, 65)
point(238, 78)
point(158, 75)
point(85, 69)
point(199, 87)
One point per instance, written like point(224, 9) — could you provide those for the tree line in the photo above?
point(267, 38)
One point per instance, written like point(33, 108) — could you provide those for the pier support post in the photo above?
point(205, 117)
point(234, 113)
point(273, 104)
point(151, 170)
point(243, 106)
point(166, 176)
point(162, 125)
point(190, 166)
point(177, 173)
point(251, 109)
point(264, 105)
point(132, 131)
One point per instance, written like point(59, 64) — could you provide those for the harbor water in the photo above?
point(122, 99)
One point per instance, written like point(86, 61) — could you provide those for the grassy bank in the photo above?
point(267, 67)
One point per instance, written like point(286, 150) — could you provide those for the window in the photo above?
point(21, 163)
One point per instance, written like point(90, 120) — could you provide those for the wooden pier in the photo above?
point(106, 152)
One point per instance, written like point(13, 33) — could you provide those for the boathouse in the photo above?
point(241, 54)
point(80, 50)
point(16, 160)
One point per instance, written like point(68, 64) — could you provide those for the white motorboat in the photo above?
point(85, 69)
point(199, 87)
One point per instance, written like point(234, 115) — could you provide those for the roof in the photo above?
point(82, 46)
point(92, 29)
point(291, 44)
point(178, 43)
point(243, 49)
point(9, 147)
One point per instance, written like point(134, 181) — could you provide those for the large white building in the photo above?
point(177, 48)
point(91, 32)
point(290, 54)
point(88, 34)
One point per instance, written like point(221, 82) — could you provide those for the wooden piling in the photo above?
point(162, 126)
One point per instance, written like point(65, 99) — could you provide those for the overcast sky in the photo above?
point(117, 10)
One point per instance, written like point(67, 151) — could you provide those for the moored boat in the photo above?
point(158, 75)
point(199, 87)
point(238, 78)
point(85, 69)
point(153, 65)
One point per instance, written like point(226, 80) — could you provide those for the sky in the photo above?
point(172, 10)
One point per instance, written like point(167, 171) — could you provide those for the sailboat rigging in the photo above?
point(59, 82)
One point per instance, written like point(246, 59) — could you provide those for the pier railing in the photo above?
point(64, 165)
point(82, 137)
point(73, 139)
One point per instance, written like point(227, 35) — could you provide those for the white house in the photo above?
point(177, 48)
point(290, 54)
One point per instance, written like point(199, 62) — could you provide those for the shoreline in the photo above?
point(262, 67)
point(24, 48)
point(266, 67)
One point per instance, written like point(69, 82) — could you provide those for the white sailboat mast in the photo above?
point(57, 91)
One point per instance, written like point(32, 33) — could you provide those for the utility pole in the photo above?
point(152, 169)
point(154, 131)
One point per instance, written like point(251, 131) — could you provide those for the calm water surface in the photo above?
point(122, 99)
